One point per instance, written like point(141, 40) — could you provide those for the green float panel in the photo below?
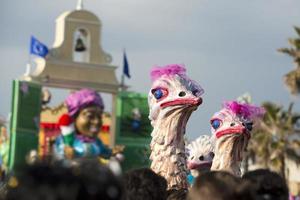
point(135, 138)
point(24, 124)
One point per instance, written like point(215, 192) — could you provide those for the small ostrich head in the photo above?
point(171, 89)
point(235, 118)
point(232, 126)
point(200, 154)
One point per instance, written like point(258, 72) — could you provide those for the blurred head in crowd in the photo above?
point(177, 194)
point(219, 185)
point(88, 180)
point(144, 184)
point(267, 185)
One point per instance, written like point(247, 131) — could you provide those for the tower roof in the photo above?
point(82, 15)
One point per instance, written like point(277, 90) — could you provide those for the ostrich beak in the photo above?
point(183, 101)
point(193, 165)
point(233, 130)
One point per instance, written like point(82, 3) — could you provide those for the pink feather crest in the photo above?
point(168, 70)
point(247, 111)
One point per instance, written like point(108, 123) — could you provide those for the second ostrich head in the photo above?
point(232, 127)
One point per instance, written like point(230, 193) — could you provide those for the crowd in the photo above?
point(89, 180)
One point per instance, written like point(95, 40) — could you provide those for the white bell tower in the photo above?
point(76, 59)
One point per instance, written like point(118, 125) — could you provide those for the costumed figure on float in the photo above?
point(232, 127)
point(80, 127)
point(172, 99)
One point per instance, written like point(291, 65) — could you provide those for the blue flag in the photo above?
point(38, 48)
point(125, 66)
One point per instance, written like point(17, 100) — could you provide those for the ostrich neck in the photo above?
point(229, 153)
point(168, 148)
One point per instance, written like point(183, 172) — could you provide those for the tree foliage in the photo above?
point(292, 79)
point(277, 137)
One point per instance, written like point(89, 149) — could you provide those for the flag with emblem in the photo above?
point(38, 48)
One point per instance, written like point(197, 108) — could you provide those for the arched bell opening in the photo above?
point(81, 45)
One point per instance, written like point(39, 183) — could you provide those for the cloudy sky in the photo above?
point(229, 47)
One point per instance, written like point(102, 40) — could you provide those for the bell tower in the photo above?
point(77, 39)
point(76, 60)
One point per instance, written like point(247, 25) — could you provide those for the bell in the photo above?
point(79, 47)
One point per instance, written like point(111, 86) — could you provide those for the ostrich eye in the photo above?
point(215, 123)
point(195, 92)
point(249, 126)
point(158, 93)
point(201, 158)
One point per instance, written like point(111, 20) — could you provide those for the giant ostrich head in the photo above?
point(172, 98)
point(232, 128)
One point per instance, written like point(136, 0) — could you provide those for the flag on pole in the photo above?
point(38, 48)
point(125, 65)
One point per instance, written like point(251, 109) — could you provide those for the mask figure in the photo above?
point(81, 126)
point(172, 99)
point(231, 127)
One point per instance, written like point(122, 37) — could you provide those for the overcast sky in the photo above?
point(228, 46)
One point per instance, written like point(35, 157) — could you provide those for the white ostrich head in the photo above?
point(172, 99)
point(235, 118)
point(200, 154)
point(171, 89)
point(231, 128)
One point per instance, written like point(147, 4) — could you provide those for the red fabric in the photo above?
point(50, 129)
point(65, 120)
point(105, 128)
point(49, 126)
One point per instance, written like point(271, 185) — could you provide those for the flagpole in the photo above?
point(122, 76)
point(122, 82)
point(28, 64)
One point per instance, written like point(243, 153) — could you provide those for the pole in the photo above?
point(79, 5)
point(122, 76)
point(28, 66)
point(122, 82)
